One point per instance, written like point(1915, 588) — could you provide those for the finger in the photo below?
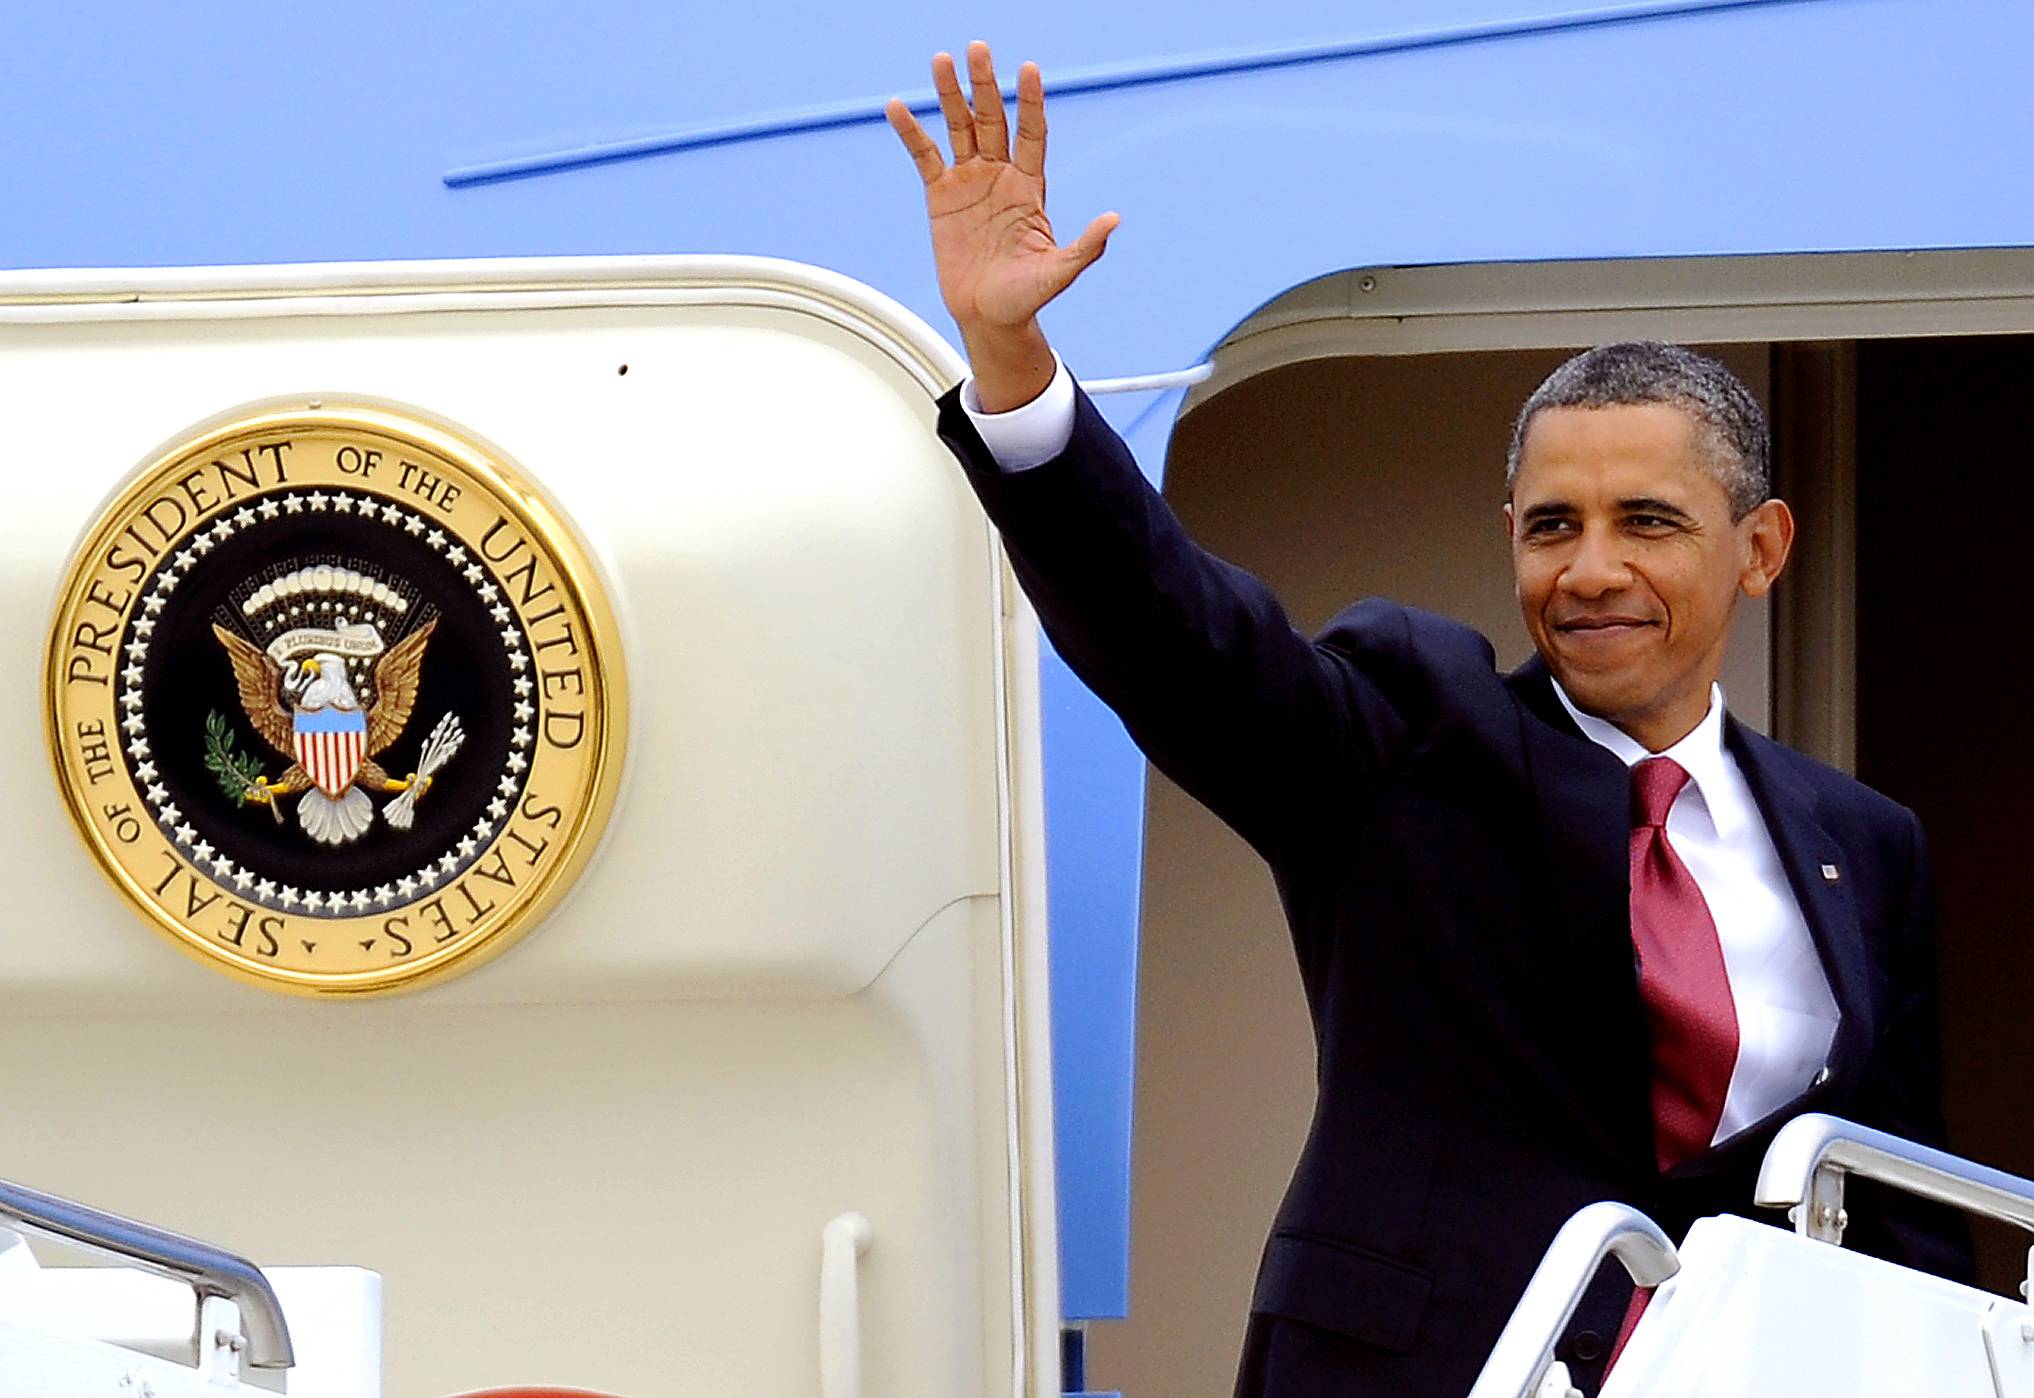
point(924, 154)
point(1030, 157)
point(992, 130)
point(960, 122)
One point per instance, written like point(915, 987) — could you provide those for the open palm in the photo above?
point(997, 260)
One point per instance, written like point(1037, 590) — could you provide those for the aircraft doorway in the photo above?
point(1894, 648)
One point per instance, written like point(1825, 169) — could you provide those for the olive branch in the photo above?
point(238, 772)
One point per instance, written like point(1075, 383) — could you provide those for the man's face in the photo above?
point(1629, 564)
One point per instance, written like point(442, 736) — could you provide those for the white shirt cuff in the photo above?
point(1027, 436)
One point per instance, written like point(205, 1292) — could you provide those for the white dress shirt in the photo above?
point(1031, 435)
point(1786, 1015)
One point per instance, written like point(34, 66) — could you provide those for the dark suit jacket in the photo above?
point(1452, 855)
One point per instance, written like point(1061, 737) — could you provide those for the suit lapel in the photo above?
point(1806, 851)
point(1582, 798)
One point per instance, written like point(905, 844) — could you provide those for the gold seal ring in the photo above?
point(335, 696)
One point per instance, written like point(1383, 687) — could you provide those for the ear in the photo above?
point(1768, 534)
point(1510, 523)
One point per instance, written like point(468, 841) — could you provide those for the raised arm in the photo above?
point(1196, 656)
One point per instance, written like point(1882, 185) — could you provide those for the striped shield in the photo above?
point(330, 744)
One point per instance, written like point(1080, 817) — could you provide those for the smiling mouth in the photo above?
point(1602, 626)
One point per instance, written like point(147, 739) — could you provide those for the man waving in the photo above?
point(1567, 934)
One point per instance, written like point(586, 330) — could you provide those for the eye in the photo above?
point(1546, 527)
point(1651, 524)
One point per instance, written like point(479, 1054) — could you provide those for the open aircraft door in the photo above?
point(625, 610)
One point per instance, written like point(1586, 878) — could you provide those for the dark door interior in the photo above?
point(1945, 686)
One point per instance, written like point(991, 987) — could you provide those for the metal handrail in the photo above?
point(1525, 1349)
point(205, 1269)
point(1807, 1161)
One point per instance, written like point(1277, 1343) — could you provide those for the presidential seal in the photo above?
point(335, 697)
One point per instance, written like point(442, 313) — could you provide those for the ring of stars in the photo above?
point(141, 757)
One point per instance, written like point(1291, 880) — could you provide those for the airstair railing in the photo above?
point(1519, 1362)
point(1804, 1172)
point(1810, 1157)
point(207, 1270)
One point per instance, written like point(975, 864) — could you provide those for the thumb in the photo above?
point(1091, 244)
point(1058, 274)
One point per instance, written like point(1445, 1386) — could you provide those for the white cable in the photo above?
point(1143, 383)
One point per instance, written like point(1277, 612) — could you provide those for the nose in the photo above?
point(1598, 566)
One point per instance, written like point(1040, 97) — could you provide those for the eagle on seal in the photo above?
point(307, 710)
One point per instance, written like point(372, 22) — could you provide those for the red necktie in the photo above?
point(1691, 1018)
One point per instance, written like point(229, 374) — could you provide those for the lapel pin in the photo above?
point(1829, 873)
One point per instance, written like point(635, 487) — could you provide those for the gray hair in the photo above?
point(1729, 420)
